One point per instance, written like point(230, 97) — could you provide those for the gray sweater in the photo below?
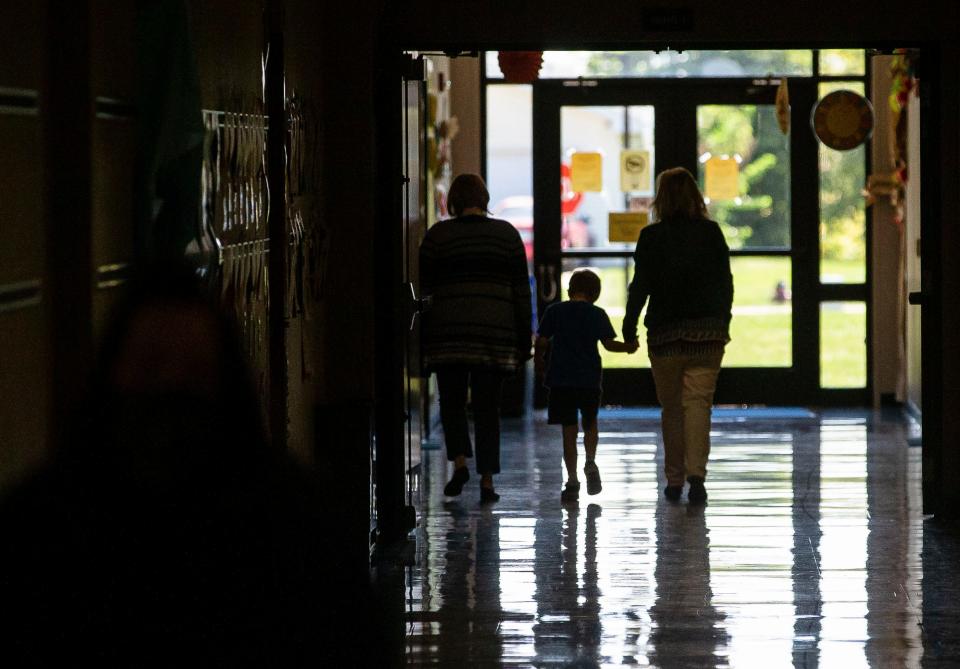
point(475, 270)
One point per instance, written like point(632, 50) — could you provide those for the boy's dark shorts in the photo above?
point(566, 402)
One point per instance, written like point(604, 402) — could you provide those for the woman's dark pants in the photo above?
point(485, 386)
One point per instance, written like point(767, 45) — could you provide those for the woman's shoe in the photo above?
point(570, 492)
point(487, 495)
point(460, 476)
point(673, 492)
point(697, 493)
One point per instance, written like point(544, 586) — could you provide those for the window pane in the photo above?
point(762, 312)
point(843, 217)
point(602, 130)
point(760, 332)
point(760, 216)
point(510, 157)
point(640, 138)
point(835, 62)
point(615, 274)
point(757, 63)
point(843, 344)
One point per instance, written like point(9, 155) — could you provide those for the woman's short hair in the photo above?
point(584, 282)
point(678, 196)
point(467, 191)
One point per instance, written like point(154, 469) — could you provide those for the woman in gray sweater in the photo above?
point(478, 327)
point(683, 267)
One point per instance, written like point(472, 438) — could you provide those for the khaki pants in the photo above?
point(685, 385)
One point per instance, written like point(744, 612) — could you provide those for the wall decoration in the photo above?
point(843, 120)
point(520, 67)
point(586, 171)
point(904, 85)
point(783, 106)
point(625, 226)
point(722, 178)
point(635, 172)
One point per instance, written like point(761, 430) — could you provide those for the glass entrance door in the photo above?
point(601, 143)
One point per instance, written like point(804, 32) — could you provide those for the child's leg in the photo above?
point(594, 485)
point(591, 436)
point(570, 450)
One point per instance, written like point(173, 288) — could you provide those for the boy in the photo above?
point(572, 329)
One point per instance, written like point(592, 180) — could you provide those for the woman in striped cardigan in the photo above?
point(478, 328)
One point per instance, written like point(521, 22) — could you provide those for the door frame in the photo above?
point(798, 384)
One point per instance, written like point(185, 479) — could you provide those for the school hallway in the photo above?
point(811, 552)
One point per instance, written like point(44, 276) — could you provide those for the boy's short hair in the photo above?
point(584, 282)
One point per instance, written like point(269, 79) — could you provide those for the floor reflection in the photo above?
point(812, 552)
point(568, 599)
point(687, 629)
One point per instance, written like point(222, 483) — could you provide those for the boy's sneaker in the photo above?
point(697, 493)
point(593, 478)
point(570, 492)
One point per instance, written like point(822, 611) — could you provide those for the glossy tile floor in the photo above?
point(812, 552)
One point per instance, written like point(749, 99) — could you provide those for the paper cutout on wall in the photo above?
point(634, 171)
point(625, 226)
point(722, 178)
point(586, 171)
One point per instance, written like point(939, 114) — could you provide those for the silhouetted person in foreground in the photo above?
point(166, 530)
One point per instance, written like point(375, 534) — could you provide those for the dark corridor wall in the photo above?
point(330, 330)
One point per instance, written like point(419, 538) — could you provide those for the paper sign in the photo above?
point(586, 172)
point(625, 226)
point(722, 178)
point(634, 171)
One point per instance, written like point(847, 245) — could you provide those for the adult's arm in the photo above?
point(726, 276)
point(639, 289)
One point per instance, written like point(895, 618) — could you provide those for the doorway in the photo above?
point(800, 329)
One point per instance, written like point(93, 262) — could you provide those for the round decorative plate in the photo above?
point(843, 120)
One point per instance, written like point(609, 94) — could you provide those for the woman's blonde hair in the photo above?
point(678, 196)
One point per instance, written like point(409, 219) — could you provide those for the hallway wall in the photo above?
point(912, 249)
point(885, 248)
point(24, 391)
point(465, 99)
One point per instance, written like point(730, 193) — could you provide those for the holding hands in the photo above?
point(621, 346)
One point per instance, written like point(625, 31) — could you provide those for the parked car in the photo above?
point(518, 210)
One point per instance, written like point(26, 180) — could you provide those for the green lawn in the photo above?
point(760, 331)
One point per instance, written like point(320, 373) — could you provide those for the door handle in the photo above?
point(418, 305)
point(547, 283)
point(915, 297)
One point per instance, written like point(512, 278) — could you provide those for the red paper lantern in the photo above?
point(520, 67)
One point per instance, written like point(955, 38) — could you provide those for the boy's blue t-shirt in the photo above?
point(574, 328)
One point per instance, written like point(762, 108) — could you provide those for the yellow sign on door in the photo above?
point(625, 226)
point(586, 172)
point(634, 171)
point(722, 178)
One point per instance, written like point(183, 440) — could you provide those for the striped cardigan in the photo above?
point(474, 269)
